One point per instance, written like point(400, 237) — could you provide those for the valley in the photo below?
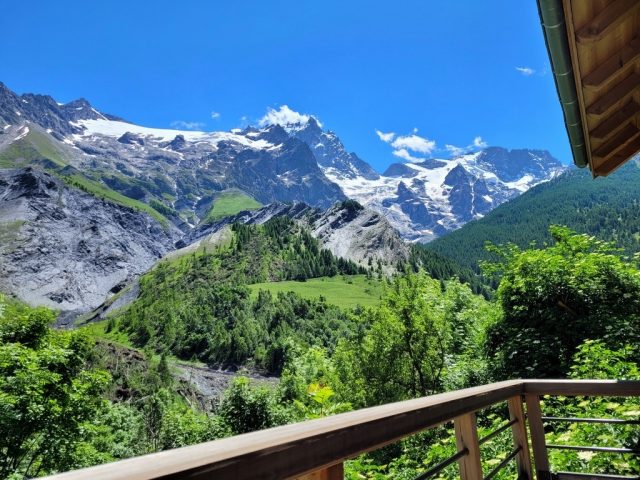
point(209, 284)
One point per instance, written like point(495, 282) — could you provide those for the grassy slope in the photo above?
point(100, 190)
point(229, 203)
point(342, 291)
point(33, 147)
point(36, 148)
point(97, 330)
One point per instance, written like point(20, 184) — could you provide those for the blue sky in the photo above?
point(442, 71)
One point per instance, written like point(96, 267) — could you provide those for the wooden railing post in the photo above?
point(467, 437)
point(519, 432)
point(334, 472)
point(538, 442)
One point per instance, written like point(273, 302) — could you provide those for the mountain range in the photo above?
point(89, 201)
point(182, 171)
point(606, 207)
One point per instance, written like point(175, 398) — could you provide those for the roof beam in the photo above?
point(618, 140)
point(617, 159)
point(614, 121)
point(616, 94)
point(614, 64)
point(608, 17)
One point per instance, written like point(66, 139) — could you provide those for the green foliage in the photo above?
point(245, 408)
point(441, 267)
point(47, 394)
point(304, 367)
point(162, 208)
point(416, 332)
point(319, 402)
point(230, 203)
point(282, 250)
point(555, 298)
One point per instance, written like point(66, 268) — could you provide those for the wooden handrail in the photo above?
point(573, 388)
point(303, 448)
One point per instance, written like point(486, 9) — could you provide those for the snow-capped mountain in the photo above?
point(288, 157)
point(89, 201)
point(330, 153)
point(427, 199)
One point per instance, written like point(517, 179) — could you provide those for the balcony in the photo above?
point(316, 450)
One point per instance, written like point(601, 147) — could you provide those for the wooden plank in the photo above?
point(335, 472)
point(538, 442)
point(611, 388)
point(467, 437)
point(617, 159)
point(614, 95)
point(520, 440)
point(298, 449)
point(621, 138)
point(614, 121)
point(614, 64)
point(607, 18)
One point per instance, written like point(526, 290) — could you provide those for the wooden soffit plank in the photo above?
point(614, 95)
point(615, 120)
point(616, 63)
point(606, 19)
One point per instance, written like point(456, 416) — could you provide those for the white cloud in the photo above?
point(478, 142)
point(414, 143)
point(215, 115)
point(406, 146)
point(284, 116)
point(182, 125)
point(455, 151)
point(526, 71)
point(385, 137)
point(404, 154)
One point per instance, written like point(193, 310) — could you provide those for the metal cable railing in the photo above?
point(591, 448)
point(442, 465)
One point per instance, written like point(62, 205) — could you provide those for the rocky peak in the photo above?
point(312, 126)
point(80, 109)
point(457, 176)
point(511, 165)
point(178, 143)
point(400, 170)
point(129, 138)
point(274, 134)
point(45, 111)
point(330, 152)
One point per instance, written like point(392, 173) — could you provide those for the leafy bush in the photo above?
point(554, 298)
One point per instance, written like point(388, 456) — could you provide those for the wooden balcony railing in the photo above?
point(316, 449)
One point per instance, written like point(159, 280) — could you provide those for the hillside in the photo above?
point(606, 207)
point(208, 313)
